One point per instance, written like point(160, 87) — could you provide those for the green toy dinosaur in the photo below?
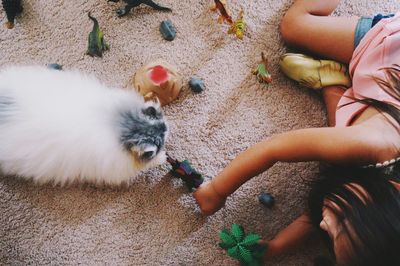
point(96, 40)
point(263, 76)
point(244, 248)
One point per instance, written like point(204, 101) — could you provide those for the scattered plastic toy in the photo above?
point(12, 9)
point(131, 4)
point(196, 85)
point(167, 30)
point(97, 43)
point(158, 80)
point(185, 171)
point(244, 248)
point(263, 76)
point(238, 27)
point(54, 66)
point(222, 7)
point(266, 199)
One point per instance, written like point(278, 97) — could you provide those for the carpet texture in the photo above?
point(155, 221)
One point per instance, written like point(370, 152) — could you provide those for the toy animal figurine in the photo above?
point(185, 171)
point(222, 7)
point(238, 26)
point(158, 80)
point(97, 43)
point(131, 4)
point(263, 76)
point(244, 248)
point(12, 9)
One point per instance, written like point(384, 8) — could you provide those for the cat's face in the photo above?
point(144, 132)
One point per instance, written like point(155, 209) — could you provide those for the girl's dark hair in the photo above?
point(373, 213)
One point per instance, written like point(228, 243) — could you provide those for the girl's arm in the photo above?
point(335, 145)
point(289, 238)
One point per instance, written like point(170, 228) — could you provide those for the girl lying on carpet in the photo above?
point(356, 206)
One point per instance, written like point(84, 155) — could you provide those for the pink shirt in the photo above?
point(379, 48)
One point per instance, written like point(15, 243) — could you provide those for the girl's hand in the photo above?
point(208, 199)
point(272, 249)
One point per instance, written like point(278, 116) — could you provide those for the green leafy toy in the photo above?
point(261, 72)
point(96, 40)
point(12, 9)
point(242, 247)
point(185, 171)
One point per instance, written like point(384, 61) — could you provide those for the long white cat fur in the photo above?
point(63, 126)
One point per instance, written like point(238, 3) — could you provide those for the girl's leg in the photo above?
point(332, 95)
point(307, 25)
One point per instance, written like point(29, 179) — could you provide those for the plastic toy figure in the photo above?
point(263, 76)
point(96, 40)
point(158, 80)
point(131, 4)
point(12, 9)
point(222, 7)
point(185, 171)
point(238, 26)
point(244, 248)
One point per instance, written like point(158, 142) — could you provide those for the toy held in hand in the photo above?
point(261, 72)
point(185, 171)
point(242, 247)
point(96, 44)
point(12, 9)
point(131, 4)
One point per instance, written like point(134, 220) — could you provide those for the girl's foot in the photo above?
point(314, 73)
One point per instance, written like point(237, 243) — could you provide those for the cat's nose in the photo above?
point(149, 152)
point(147, 155)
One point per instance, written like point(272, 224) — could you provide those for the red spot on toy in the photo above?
point(158, 75)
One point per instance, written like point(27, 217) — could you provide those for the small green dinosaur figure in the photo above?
point(96, 40)
point(263, 76)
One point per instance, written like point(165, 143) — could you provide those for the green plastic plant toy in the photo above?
point(242, 247)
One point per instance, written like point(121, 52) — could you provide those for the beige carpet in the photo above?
point(155, 221)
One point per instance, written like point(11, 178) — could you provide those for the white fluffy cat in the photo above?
point(58, 126)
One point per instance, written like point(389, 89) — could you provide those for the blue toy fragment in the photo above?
point(54, 66)
point(266, 199)
point(196, 85)
point(167, 30)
